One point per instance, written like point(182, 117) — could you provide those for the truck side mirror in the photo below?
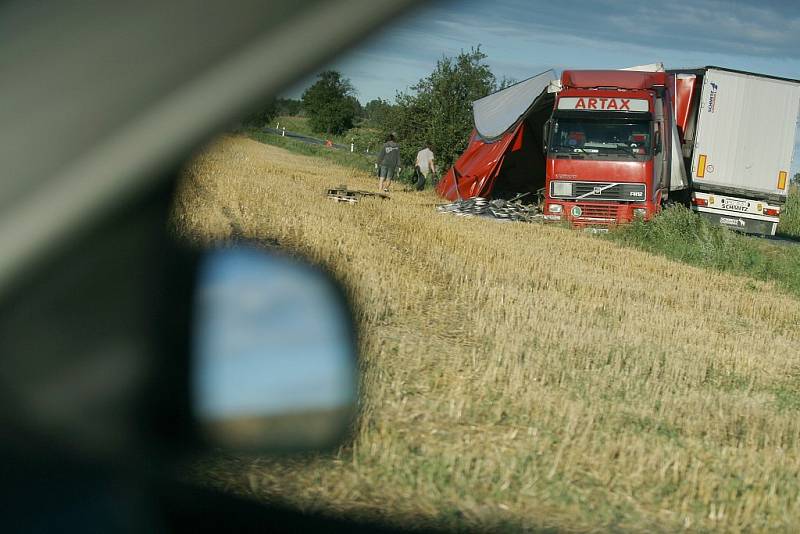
point(545, 135)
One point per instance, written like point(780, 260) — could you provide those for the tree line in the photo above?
point(437, 109)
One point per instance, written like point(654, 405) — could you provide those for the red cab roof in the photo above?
point(624, 79)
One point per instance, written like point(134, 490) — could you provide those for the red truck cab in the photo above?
point(607, 156)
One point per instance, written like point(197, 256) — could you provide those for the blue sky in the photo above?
point(522, 38)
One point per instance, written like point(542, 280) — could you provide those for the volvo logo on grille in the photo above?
point(608, 191)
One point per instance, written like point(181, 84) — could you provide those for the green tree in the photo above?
point(358, 109)
point(330, 103)
point(439, 107)
point(289, 106)
point(505, 82)
point(261, 116)
point(377, 112)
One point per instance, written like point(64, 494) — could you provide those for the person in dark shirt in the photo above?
point(388, 162)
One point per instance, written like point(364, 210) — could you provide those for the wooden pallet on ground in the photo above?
point(343, 194)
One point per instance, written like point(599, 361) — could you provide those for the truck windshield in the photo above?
point(601, 137)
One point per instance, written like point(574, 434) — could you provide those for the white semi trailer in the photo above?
point(737, 132)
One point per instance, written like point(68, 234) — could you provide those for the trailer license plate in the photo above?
point(734, 204)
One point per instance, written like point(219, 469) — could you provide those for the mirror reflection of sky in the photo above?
point(269, 338)
point(524, 37)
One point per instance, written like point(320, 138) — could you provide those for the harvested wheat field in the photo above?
point(521, 376)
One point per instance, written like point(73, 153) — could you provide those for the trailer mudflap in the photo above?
point(741, 224)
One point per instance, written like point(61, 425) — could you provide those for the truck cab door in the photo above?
point(666, 139)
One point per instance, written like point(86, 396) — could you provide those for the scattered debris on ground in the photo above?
point(342, 194)
point(507, 210)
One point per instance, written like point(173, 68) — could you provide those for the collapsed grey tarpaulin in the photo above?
point(496, 113)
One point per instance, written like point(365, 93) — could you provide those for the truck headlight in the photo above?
point(639, 212)
point(554, 208)
point(562, 189)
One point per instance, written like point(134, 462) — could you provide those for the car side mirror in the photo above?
point(274, 353)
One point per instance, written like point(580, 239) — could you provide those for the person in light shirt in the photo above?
point(424, 165)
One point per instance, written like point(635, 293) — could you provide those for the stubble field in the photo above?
point(517, 376)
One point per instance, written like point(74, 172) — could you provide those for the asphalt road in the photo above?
point(305, 138)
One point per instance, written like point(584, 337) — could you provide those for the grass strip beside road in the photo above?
point(363, 136)
point(681, 235)
point(355, 160)
point(790, 215)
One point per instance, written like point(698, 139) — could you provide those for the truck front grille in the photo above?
point(594, 211)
